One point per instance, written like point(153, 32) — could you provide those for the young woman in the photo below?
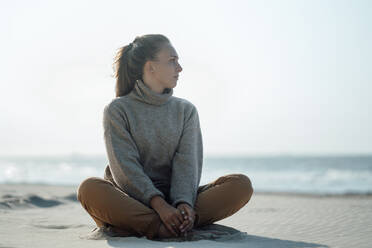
point(155, 151)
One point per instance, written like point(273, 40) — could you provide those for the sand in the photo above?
point(50, 216)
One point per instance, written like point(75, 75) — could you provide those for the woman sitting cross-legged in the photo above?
point(155, 151)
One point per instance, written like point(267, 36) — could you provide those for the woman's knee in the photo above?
point(88, 187)
point(243, 185)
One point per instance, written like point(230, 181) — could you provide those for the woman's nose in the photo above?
point(179, 68)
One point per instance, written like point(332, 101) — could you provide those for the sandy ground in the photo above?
point(49, 216)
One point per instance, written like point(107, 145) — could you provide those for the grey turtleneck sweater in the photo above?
point(154, 145)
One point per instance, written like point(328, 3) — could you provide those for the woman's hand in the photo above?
point(170, 216)
point(188, 214)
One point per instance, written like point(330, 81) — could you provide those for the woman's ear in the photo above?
point(149, 67)
point(152, 69)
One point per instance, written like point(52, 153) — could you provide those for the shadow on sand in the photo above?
point(214, 235)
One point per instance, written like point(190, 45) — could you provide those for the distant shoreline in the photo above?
point(263, 193)
point(211, 156)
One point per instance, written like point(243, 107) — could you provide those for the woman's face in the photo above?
point(166, 67)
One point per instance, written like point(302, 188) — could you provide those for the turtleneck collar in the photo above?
point(143, 93)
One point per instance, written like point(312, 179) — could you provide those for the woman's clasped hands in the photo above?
point(188, 215)
point(176, 220)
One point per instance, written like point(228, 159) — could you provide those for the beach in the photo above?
point(40, 216)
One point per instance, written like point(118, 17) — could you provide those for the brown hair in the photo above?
point(130, 60)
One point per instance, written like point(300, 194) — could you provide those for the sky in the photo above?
point(267, 77)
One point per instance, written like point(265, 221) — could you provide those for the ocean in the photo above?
point(293, 174)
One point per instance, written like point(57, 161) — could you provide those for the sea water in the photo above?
point(294, 174)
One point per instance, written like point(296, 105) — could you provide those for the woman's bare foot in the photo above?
point(163, 232)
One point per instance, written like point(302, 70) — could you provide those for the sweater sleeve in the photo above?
point(187, 162)
point(123, 156)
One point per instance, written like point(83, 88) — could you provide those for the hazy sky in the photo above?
point(267, 77)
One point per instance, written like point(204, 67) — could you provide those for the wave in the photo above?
point(310, 175)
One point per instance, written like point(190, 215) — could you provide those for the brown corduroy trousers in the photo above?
point(108, 205)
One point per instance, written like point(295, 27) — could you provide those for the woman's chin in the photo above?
point(173, 84)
